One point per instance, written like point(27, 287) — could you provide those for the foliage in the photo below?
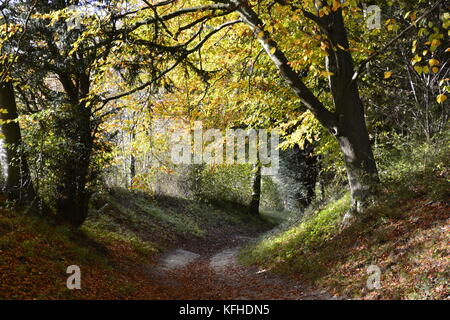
point(101, 89)
point(403, 233)
point(114, 248)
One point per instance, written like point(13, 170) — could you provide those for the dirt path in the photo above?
point(209, 270)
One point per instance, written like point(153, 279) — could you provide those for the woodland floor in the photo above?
point(410, 246)
point(34, 256)
point(209, 270)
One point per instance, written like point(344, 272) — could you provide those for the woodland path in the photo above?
point(209, 270)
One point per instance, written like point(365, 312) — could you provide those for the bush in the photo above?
point(415, 168)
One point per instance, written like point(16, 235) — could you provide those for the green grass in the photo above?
point(183, 224)
point(282, 246)
point(401, 232)
point(124, 230)
point(30, 235)
point(277, 217)
point(154, 224)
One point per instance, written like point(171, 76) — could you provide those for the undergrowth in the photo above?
point(405, 233)
point(121, 237)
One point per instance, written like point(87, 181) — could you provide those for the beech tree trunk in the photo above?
point(347, 123)
point(350, 131)
point(256, 190)
point(132, 162)
point(360, 164)
point(19, 186)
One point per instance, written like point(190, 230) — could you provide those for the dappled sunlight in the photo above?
point(235, 149)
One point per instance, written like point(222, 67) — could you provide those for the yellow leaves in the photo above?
point(326, 74)
point(295, 64)
point(433, 62)
point(418, 69)
point(414, 47)
point(336, 5)
point(388, 74)
point(324, 46)
point(412, 15)
point(341, 47)
point(443, 81)
point(324, 11)
point(273, 50)
point(434, 44)
point(446, 16)
point(9, 30)
point(305, 129)
point(422, 32)
point(441, 98)
point(416, 59)
point(260, 35)
point(391, 24)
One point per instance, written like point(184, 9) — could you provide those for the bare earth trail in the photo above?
point(209, 270)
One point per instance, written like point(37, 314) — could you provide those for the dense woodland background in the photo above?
point(91, 92)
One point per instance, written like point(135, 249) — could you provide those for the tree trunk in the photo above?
point(19, 186)
point(347, 122)
point(72, 193)
point(351, 131)
point(358, 156)
point(132, 162)
point(256, 190)
point(132, 170)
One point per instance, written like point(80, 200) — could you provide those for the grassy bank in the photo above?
point(406, 234)
point(122, 237)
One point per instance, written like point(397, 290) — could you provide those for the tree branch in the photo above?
point(307, 97)
point(363, 64)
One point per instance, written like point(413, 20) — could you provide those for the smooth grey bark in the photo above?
point(351, 132)
point(256, 190)
point(347, 123)
point(19, 186)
